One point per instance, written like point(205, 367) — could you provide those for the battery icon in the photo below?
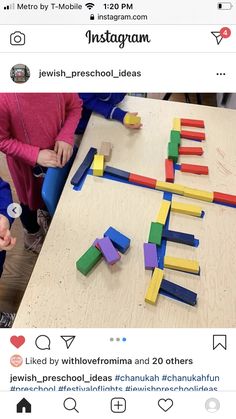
point(225, 5)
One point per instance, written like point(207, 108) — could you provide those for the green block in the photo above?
point(155, 234)
point(88, 260)
point(173, 152)
point(175, 137)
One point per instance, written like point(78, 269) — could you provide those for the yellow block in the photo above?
point(178, 264)
point(170, 187)
point(198, 194)
point(163, 213)
point(98, 165)
point(154, 286)
point(176, 124)
point(187, 209)
point(132, 119)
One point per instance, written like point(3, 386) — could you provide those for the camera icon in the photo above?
point(17, 38)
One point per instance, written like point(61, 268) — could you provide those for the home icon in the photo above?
point(23, 406)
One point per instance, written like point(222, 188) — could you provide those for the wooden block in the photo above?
point(170, 187)
point(142, 180)
point(223, 198)
point(150, 256)
point(132, 119)
point(108, 250)
point(187, 209)
point(178, 237)
point(175, 137)
point(119, 240)
point(117, 172)
point(170, 171)
point(105, 150)
point(154, 286)
point(178, 264)
point(155, 234)
point(88, 260)
point(176, 124)
point(190, 151)
point(98, 165)
point(173, 152)
point(196, 123)
point(163, 213)
point(83, 167)
point(198, 194)
point(182, 294)
point(192, 135)
point(194, 168)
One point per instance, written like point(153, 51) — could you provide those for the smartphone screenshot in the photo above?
point(117, 209)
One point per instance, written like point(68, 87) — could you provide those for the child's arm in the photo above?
point(6, 241)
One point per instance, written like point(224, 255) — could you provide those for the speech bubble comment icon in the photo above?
point(43, 343)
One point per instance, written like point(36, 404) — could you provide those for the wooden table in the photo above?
point(59, 296)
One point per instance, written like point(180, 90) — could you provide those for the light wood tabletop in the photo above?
point(113, 296)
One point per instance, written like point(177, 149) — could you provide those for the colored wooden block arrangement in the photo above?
point(132, 119)
point(178, 264)
point(84, 166)
point(178, 237)
point(119, 240)
point(176, 124)
point(105, 150)
point(142, 180)
point(108, 250)
point(150, 256)
point(173, 151)
point(98, 165)
point(155, 234)
point(175, 137)
point(169, 170)
point(181, 293)
point(198, 194)
point(223, 198)
point(163, 212)
point(122, 174)
point(190, 151)
point(186, 209)
point(88, 260)
point(170, 187)
point(154, 286)
point(192, 135)
point(196, 123)
point(194, 168)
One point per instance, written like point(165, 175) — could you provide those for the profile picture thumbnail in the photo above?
point(20, 73)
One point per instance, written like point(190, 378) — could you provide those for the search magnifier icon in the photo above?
point(70, 404)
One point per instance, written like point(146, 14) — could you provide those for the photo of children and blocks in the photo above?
point(117, 210)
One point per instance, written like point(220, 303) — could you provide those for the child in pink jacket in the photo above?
point(36, 129)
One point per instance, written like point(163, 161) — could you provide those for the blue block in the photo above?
point(118, 239)
point(84, 166)
point(176, 291)
point(117, 172)
point(177, 237)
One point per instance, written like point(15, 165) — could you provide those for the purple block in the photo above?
point(108, 250)
point(95, 243)
point(150, 256)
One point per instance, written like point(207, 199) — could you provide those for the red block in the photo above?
point(190, 151)
point(142, 180)
point(170, 173)
point(223, 198)
point(196, 123)
point(192, 135)
point(194, 168)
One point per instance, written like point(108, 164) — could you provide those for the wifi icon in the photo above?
point(89, 5)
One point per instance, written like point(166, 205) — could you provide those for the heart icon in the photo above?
point(165, 404)
point(17, 341)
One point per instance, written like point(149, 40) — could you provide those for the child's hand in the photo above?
point(47, 158)
point(132, 120)
point(7, 242)
point(64, 152)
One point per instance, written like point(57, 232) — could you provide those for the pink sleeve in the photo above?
point(11, 146)
point(73, 105)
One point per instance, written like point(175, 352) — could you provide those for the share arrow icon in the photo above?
point(68, 340)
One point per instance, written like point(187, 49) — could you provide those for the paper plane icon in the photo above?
point(218, 36)
point(68, 340)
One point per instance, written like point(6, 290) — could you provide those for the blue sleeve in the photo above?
point(106, 107)
point(5, 199)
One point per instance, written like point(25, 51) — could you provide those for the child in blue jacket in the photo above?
point(104, 104)
point(7, 242)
